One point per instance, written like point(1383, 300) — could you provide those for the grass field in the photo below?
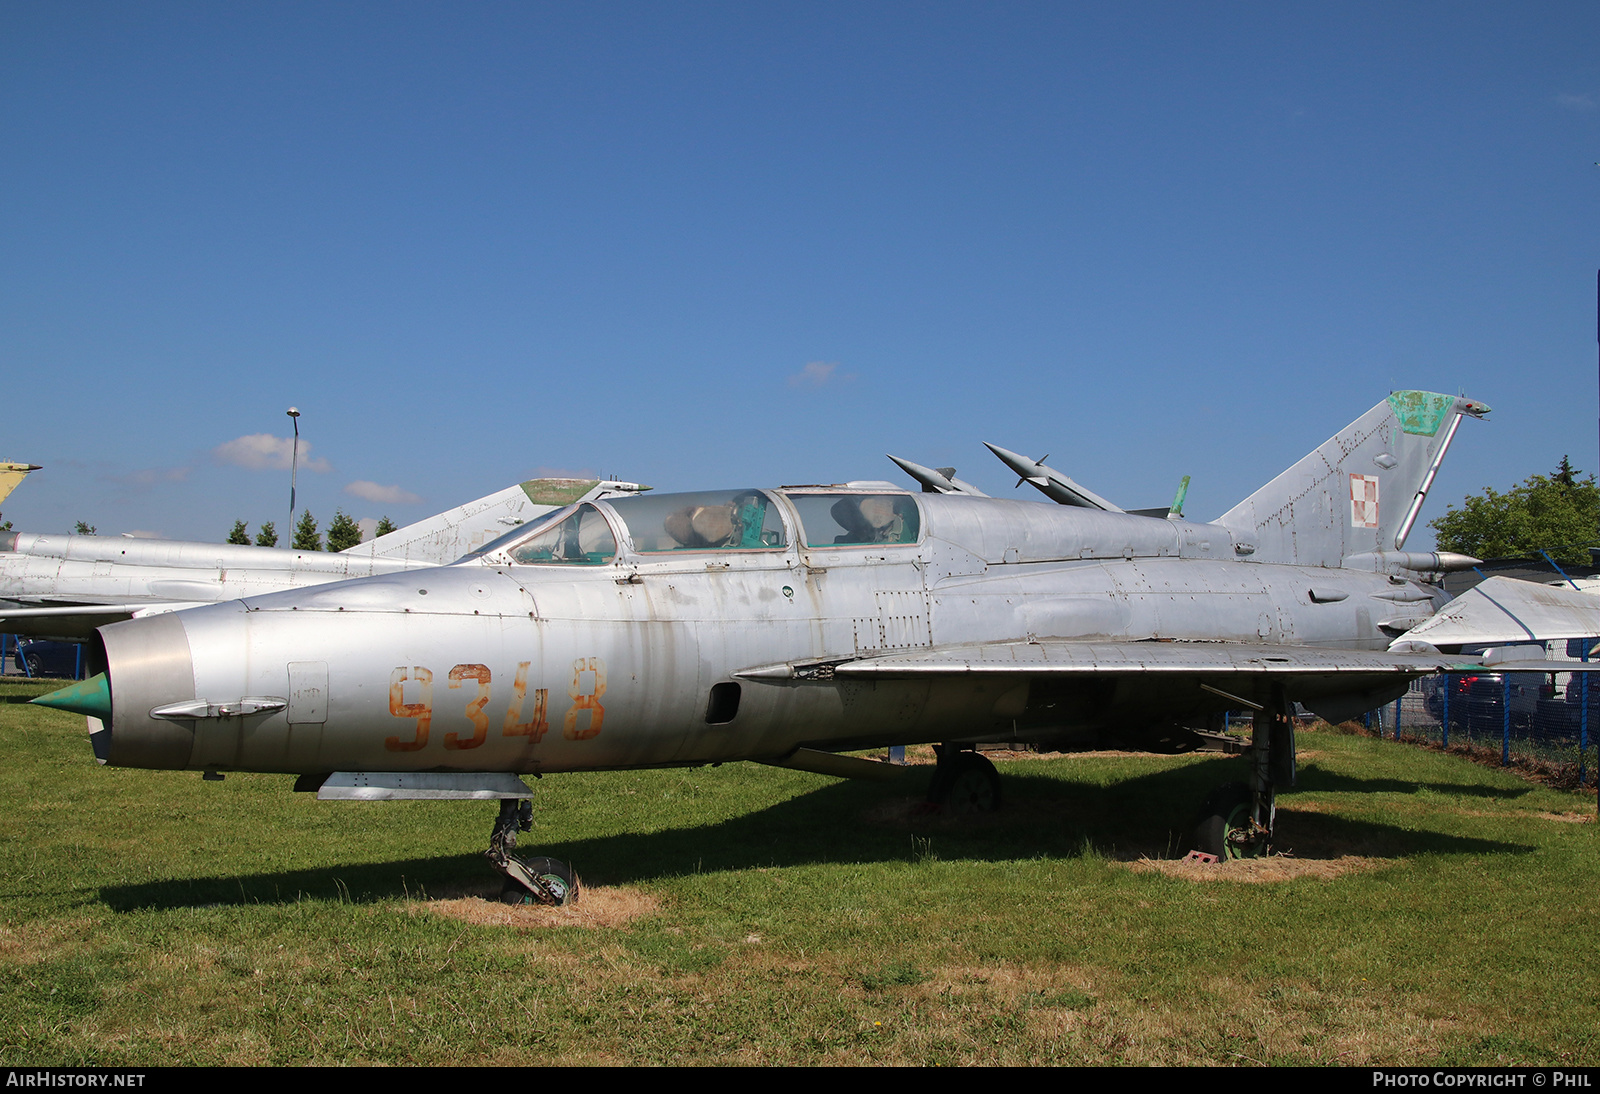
point(1431, 912)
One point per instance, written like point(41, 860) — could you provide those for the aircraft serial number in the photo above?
point(534, 726)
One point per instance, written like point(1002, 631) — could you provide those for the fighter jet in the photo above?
point(788, 626)
point(63, 586)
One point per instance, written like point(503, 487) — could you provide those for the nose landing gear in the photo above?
point(532, 881)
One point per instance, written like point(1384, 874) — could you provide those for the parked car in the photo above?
point(1563, 714)
point(1477, 700)
point(44, 657)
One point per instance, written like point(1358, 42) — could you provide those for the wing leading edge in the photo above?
point(1063, 657)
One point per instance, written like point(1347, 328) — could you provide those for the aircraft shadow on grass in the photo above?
point(1045, 817)
point(1315, 778)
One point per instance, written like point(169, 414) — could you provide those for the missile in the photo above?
point(1051, 483)
point(937, 480)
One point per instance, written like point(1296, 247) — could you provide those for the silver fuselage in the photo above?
point(488, 665)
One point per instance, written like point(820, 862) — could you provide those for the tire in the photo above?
point(965, 783)
point(35, 666)
point(1227, 810)
point(563, 879)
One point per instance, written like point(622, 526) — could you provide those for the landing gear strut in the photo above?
point(964, 782)
point(1238, 819)
point(534, 881)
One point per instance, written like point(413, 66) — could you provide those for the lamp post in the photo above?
point(294, 463)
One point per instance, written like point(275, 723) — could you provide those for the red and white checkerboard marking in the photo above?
point(1363, 501)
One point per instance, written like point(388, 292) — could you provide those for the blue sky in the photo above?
point(704, 245)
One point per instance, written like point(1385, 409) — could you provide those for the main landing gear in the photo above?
point(963, 782)
point(1237, 819)
point(532, 881)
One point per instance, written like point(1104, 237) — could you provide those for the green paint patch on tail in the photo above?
point(1421, 412)
point(557, 491)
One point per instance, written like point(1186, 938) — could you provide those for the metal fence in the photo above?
point(26, 657)
point(1547, 719)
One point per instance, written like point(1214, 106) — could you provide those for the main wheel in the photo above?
point(965, 783)
point(35, 665)
point(1224, 826)
point(562, 880)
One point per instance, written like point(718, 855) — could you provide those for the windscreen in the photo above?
point(583, 539)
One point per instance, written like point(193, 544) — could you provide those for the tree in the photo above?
point(239, 535)
point(268, 536)
point(385, 526)
point(305, 533)
point(84, 529)
point(343, 533)
point(1558, 513)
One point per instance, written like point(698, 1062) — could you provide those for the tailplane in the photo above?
point(1360, 492)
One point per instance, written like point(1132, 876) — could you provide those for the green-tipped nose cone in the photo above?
point(91, 697)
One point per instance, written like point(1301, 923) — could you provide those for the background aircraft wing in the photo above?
point(75, 622)
point(1504, 609)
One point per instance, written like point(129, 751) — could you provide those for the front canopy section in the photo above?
point(583, 539)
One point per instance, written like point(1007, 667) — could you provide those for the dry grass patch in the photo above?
point(1260, 870)
point(27, 943)
point(613, 906)
point(1567, 818)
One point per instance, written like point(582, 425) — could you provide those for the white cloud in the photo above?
point(1576, 102)
point(383, 495)
point(264, 452)
point(818, 373)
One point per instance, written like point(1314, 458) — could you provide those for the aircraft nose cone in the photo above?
point(91, 697)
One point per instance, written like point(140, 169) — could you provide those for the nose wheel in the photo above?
point(541, 880)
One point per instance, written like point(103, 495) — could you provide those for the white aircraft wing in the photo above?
point(1503, 609)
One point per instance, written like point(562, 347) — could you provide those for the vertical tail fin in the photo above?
point(1361, 490)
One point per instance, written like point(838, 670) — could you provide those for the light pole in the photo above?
point(294, 464)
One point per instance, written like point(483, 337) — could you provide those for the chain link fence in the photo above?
point(1546, 720)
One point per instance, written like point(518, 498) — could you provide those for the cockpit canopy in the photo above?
point(710, 520)
point(842, 520)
